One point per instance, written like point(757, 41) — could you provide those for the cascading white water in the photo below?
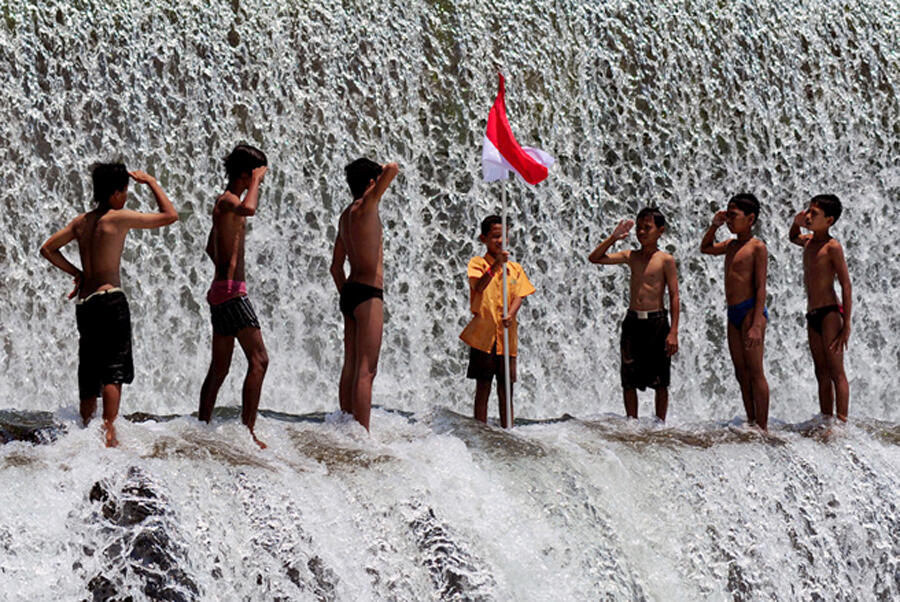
point(674, 104)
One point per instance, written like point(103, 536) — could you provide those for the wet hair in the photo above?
point(829, 204)
point(489, 222)
point(108, 178)
point(748, 203)
point(359, 174)
point(658, 218)
point(242, 160)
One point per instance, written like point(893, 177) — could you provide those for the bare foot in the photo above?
point(257, 441)
point(111, 440)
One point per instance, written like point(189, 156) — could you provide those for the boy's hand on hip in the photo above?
point(77, 280)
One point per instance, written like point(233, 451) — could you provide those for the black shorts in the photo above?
point(232, 316)
point(645, 362)
point(484, 366)
point(354, 293)
point(104, 343)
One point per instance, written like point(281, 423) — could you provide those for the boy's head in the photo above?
point(742, 212)
point(492, 233)
point(243, 160)
point(110, 182)
point(824, 210)
point(360, 175)
point(650, 223)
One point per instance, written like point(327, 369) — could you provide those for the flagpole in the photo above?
point(506, 383)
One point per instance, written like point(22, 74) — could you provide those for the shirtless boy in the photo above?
point(362, 292)
point(104, 322)
point(484, 333)
point(746, 262)
point(648, 342)
point(827, 321)
point(230, 309)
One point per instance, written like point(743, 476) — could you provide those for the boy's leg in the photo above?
point(222, 348)
point(631, 402)
point(482, 395)
point(736, 348)
point(345, 392)
point(257, 363)
point(823, 378)
point(88, 406)
point(369, 316)
point(759, 387)
point(112, 393)
point(831, 326)
point(662, 402)
point(501, 396)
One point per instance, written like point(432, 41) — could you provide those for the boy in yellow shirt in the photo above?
point(484, 334)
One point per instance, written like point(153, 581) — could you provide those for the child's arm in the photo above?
point(671, 274)
point(514, 305)
point(708, 245)
point(248, 206)
point(599, 255)
point(50, 251)
point(337, 263)
point(479, 284)
point(166, 215)
point(374, 193)
point(760, 271)
point(211, 244)
point(836, 253)
point(794, 235)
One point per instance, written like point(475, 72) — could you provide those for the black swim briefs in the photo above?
point(815, 317)
point(232, 316)
point(354, 293)
point(645, 362)
point(104, 344)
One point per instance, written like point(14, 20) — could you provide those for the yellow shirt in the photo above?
point(486, 328)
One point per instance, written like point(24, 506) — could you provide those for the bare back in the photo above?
point(741, 269)
point(361, 234)
point(227, 236)
point(101, 238)
point(819, 272)
point(648, 279)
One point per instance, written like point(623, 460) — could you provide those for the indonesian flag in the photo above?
point(501, 152)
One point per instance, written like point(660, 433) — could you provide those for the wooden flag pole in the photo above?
point(506, 383)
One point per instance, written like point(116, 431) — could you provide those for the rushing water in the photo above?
point(675, 104)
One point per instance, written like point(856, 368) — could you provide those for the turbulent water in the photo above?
point(675, 104)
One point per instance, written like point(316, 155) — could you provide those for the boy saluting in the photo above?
point(827, 321)
point(648, 342)
point(102, 315)
point(746, 264)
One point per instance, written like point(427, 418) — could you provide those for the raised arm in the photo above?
point(337, 263)
point(671, 274)
point(794, 235)
point(599, 255)
point(477, 285)
point(836, 254)
point(374, 193)
point(50, 251)
point(248, 206)
point(166, 214)
point(708, 245)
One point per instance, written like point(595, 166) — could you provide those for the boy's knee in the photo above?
point(259, 361)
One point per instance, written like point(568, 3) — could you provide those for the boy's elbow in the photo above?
point(45, 251)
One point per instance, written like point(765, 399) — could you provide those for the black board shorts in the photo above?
point(645, 362)
point(104, 343)
point(232, 316)
point(484, 366)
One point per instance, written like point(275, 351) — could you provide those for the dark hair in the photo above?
point(829, 204)
point(243, 159)
point(658, 218)
point(489, 222)
point(359, 173)
point(108, 178)
point(747, 203)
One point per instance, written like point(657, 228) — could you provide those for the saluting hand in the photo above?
point(719, 218)
point(621, 230)
point(141, 177)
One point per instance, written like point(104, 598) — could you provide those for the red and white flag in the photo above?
point(501, 152)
